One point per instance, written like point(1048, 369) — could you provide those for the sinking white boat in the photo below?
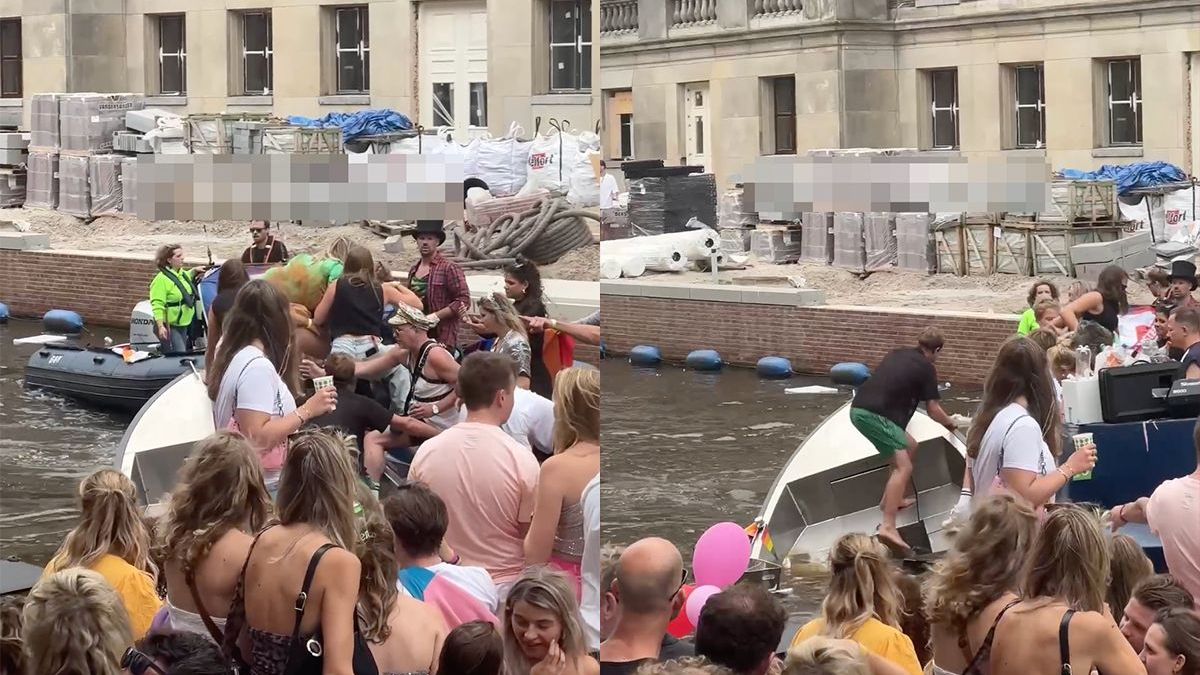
point(162, 435)
point(833, 482)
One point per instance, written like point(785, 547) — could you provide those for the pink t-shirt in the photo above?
point(487, 481)
point(1174, 515)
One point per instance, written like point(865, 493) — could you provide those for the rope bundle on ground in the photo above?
point(543, 234)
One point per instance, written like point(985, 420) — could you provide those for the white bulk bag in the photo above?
point(551, 158)
point(585, 185)
point(500, 162)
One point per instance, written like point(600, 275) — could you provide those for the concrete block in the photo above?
point(12, 187)
point(147, 119)
point(394, 244)
point(12, 156)
point(43, 115)
point(14, 140)
point(24, 241)
point(42, 189)
point(10, 118)
point(1109, 251)
point(87, 121)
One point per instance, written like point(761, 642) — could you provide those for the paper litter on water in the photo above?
point(811, 389)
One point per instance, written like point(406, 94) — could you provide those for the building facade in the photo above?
point(1080, 82)
point(472, 65)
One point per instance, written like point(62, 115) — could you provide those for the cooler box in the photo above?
point(1081, 401)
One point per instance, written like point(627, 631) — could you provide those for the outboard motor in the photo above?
point(141, 325)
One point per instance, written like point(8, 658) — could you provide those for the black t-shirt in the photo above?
point(273, 252)
point(356, 415)
point(903, 379)
point(675, 649)
point(623, 667)
point(1190, 355)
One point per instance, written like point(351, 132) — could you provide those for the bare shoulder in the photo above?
point(338, 563)
point(588, 666)
point(1094, 628)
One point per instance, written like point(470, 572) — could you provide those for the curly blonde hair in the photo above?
point(75, 624)
point(825, 656)
point(377, 587)
point(220, 489)
point(109, 524)
point(576, 407)
point(984, 563)
point(862, 586)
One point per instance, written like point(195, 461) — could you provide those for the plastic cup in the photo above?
point(1082, 441)
point(323, 382)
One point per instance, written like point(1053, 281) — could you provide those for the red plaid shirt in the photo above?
point(446, 286)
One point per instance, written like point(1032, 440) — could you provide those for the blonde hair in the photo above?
point(75, 624)
point(377, 587)
point(317, 486)
point(824, 656)
point(220, 489)
point(337, 249)
point(499, 306)
point(109, 524)
point(1069, 560)
point(684, 665)
point(12, 653)
point(547, 590)
point(1128, 566)
point(576, 407)
point(861, 587)
point(984, 563)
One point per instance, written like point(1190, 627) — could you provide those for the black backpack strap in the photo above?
point(1064, 642)
point(418, 372)
point(302, 598)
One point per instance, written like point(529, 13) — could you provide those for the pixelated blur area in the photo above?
point(335, 188)
point(782, 188)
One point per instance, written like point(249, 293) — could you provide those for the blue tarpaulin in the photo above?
point(361, 123)
point(1131, 176)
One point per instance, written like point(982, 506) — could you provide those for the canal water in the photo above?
point(683, 450)
point(47, 444)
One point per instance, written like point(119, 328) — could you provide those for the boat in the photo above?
point(832, 484)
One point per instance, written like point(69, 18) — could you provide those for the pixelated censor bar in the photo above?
point(782, 188)
point(332, 188)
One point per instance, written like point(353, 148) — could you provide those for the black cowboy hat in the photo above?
point(1184, 269)
point(431, 227)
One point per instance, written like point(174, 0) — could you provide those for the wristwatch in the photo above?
point(554, 323)
point(435, 409)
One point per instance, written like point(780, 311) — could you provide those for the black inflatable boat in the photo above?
point(102, 377)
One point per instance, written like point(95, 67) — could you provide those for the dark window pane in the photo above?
point(258, 74)
point(366, 75)
point(626, 136)
point(479, 104)
point(10, 38)
point(785, 133)
point(585, 68)
point(562, 21)
point(699, 99)
point(347, 27)
point(10, 78)
point(170, 34)
point(1124, 125)
point(943, 87)
point(563, 68)
point(699, 135)
point(1029, 85)
point(255, 28)
point(172, 75)
point(785, 95)
point(350, 72)
point(1029, 127)
point(443, 104)
point(364, 26)
point(585, 21)
point(1120, 84)
point(944, 133)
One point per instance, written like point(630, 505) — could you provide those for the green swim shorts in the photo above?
point(883, 433)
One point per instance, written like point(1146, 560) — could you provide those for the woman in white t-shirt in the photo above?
point(253, 375)
point(1016, 434)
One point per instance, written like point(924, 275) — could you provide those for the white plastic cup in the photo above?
point(1082, 441)
point(323, 382)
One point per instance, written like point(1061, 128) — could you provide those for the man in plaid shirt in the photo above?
point(440, 283)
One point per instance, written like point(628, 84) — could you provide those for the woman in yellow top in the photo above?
point(112, 540)
point(863, 603)
point(175, 300)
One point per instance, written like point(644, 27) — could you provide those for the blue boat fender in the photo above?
point(853, 374)
point(645, 355)
point(3, 313)
point(774, 367)
point(704, 360)
point(62, 321)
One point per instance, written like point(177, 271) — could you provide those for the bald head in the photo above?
point(649, 575)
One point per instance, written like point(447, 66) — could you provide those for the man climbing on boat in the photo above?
point(881, 411)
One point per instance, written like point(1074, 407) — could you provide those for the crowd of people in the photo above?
point(278, 550)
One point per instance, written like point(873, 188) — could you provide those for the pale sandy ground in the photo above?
point(998, 293)
point(228, 239)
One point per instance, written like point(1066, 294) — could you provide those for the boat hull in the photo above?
point(102, 378)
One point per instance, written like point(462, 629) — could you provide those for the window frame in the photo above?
point(1135, 101)
point(626, 133)
point(268, 53)
point(447, 112)
point(17, 91)
point(363, 50)
point(582, 39)
point(1039, 106)
point(477, 121)
point(181, 55)
point(777, 116)
point(953, 109)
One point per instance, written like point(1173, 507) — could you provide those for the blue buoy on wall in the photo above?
point(3, 313)
point(853, 374)
point(704, 360)
point(62, 321)
point(645, 355)
point(774, 367)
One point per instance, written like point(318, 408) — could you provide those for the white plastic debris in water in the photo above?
point(811, 389)
point(39, 340)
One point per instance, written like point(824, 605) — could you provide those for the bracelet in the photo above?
point(1119, 512)
point(1064, 474)
point(300, 416)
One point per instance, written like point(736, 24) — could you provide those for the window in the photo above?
point(479, 104)
point(10, 58)
point(570, 45)
point(783, 95)
point(1124, 102)
point(1031, 106)
point(257, 53)
point(443, 104)
point(172, 56)
point(353, 50)
point(626, 135)
point(943, 90)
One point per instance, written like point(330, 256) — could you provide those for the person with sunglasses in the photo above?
point(882, 409)
point(174, 654)
point(650, 575)
point(264, 247)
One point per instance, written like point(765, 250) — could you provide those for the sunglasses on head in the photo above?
point(138, 663)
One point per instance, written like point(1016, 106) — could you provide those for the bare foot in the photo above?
point(891, 538)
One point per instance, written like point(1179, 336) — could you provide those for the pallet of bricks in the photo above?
point(1033, 244)
point(71, 166)
point(14, 146)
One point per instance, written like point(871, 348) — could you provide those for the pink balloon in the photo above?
point(696, 600)
point(722, 555)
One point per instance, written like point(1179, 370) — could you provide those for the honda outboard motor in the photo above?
point(141, 325)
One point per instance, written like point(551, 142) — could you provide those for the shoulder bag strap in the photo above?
point(1064, 642)
point(1000, 464)
point(237, 615)
point(418, 372)
point(211, 625)
point(975, 662)
point(302, 598)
